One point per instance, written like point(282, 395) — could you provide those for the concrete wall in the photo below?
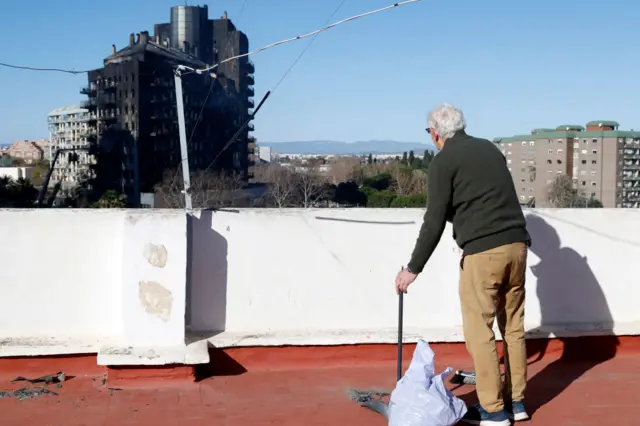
point(326, 276)
point(17, 172)
point(118, 282)
point(106, 281)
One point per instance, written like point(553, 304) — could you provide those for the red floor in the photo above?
point(575, 383)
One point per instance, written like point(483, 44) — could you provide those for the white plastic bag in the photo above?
point(420, 397)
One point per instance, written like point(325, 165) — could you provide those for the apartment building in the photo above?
point(602, 161)
point(69, 130)
point(28, 151)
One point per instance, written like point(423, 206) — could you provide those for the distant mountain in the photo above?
point(346, 148)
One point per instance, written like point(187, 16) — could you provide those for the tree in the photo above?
point(282, 183)
point(408, 181)
point(426, 158)
point(562, 194)
point(209, 189)
point(411, 158)
point(381, 198)
point(310, 186)
point(413, 200)
point(18, 193)
point(379, 182)
point(532, 173)
point(111, 200)
point(370, 159)
point(404, 158)
point(343, 169)
point(348, 193)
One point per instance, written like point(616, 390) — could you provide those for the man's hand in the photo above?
point(404, 279)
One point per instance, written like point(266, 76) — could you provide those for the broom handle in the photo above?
point(400, 314)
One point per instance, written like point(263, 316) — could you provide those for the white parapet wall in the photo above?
point(127, 283)
point(272, 277)
point(110, 282)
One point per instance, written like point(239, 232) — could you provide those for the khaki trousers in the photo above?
point(492, 287)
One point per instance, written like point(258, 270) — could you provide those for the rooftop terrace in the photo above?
point(269, 317)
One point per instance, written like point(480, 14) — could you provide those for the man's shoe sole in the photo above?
point(520, 417)
point(487, 422)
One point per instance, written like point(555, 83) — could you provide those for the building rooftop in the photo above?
point(71, 109)
point(146, 44)
point(155, 316)
point(296, 386)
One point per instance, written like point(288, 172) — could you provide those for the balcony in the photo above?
point(250, 103)
point(109, 86)
point(88, 90)
point(107, 99)
point(249, 68)
point(250, 80)
point(251, 92)
point(270, 335)
point(89, 104)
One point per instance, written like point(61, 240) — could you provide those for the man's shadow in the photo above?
point(570, 297)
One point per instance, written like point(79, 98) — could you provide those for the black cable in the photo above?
point(307, 47)
point(246, 123)
point(19, 67)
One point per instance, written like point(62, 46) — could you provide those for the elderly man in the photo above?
point(470, 186)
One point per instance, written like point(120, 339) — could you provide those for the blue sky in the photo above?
point(512, 66)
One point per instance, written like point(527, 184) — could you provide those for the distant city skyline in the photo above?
point(374, 78)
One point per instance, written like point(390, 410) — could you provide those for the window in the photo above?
point(530, 189)
point(559, 151)
point(524, 143)
point(583, 172)
point(508, 161)
point(584, 182)
point(549, 161)
point(549, 171)
point(522, 197)
point(593, 161)
point(508, 152)
point(594, 140)
point(559, 172)
point(593, 173)
point(532, 143)
point(559, 161)
point(584, 161)
point(593, 183)
point(584, 151)
point(594, 151)
point(509, 144)
point(560, 141)
point(550, 151)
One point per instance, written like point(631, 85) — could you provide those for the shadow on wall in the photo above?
point(206, 275)
point(568, 293)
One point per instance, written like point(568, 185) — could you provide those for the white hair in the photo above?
point(446, 120)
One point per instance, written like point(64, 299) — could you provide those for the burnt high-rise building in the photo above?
point(132, 104)
point(213, 41)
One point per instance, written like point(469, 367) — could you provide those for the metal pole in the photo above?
point(400, 308)
point(183, 141)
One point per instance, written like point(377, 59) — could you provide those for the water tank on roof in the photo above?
point(186, 22)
